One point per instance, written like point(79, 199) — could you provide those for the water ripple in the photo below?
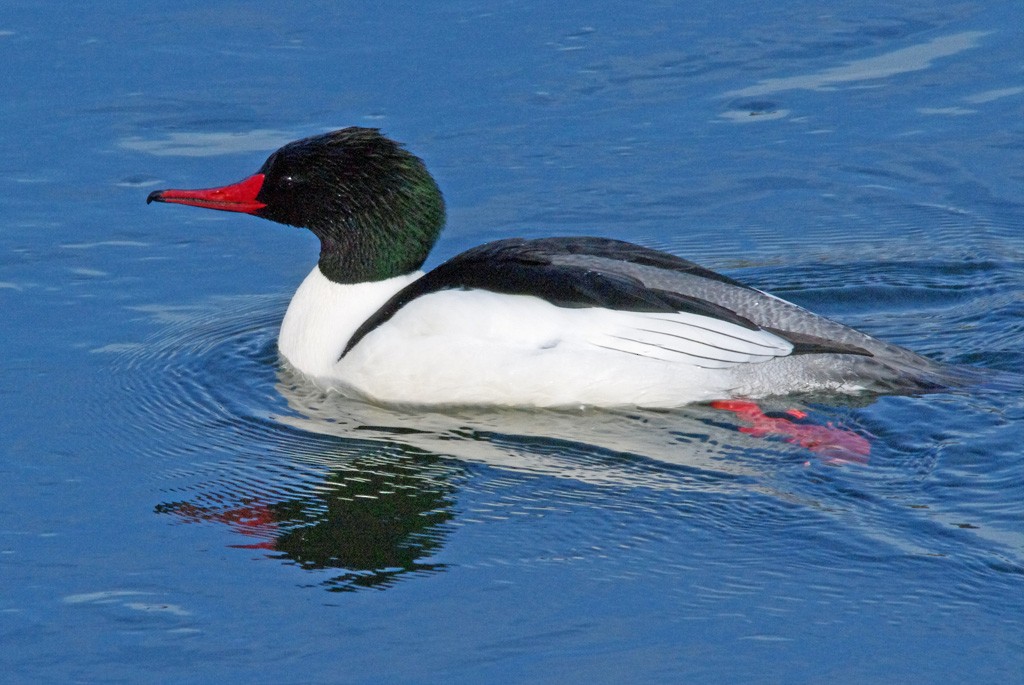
point(361, 496)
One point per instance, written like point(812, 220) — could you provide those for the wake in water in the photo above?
point(362, 496)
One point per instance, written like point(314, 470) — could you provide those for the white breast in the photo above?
point(323, 315)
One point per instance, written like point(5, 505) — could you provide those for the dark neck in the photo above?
point(385, 241)
point(382, 235)
point(363, 261)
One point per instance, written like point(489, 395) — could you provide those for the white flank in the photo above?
point(479, 347)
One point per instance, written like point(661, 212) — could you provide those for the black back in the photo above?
point(557, 271)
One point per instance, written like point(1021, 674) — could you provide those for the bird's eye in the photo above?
point(290, 181)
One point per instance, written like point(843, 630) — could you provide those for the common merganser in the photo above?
point(545, 322)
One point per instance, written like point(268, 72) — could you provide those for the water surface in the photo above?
point(178, 507)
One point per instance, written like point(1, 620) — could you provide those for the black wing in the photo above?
point(581, 272)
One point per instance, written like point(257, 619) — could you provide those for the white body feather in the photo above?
point(480, 347)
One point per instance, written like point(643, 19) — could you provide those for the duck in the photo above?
point(543, 322)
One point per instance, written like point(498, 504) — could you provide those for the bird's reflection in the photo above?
point(374, 519)
point(365, 495)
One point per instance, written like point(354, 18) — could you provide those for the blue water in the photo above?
point(175, 508)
